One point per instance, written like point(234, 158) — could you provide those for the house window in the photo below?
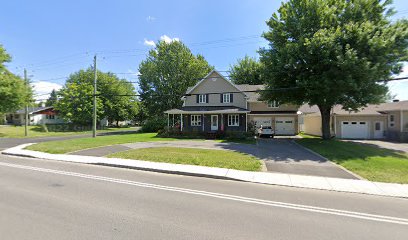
point(202, 98)
point(273, 104)
point(233, 120)
point(392, 121)
point(195, 120)
point(49, 116)
point(226, 98)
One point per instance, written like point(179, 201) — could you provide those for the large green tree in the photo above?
point(116, 98)
point(170, 68)
point(247, 71)
point(14, 91)
point(53, 99)
point(328, 52)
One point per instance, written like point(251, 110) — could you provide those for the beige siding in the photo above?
point(262, 106)
point(312, 125)
point(405, 121)
point(397, 121)
point(370, 119)
point(215, 85)
point(273, 117)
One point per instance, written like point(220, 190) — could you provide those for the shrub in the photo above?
point(154, 125)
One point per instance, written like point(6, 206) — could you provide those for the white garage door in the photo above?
point(354, 129)
point(264, 121)
point(285, 125)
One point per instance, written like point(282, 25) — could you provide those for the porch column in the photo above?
point(168, 120)
point(222, 122)
point(173, 120)
point(202, 121)
point(246, 122)
point(181, 122)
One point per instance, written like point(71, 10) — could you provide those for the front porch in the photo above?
point(208, 121)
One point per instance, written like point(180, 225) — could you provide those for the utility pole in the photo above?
point(94, 100)
point(26, 106)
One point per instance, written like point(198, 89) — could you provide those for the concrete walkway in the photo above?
point(292, 180)
point(279, 155)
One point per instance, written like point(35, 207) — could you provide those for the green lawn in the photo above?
point(72, 145)
point(37, 131)
point(370, 162)
point(190, 156)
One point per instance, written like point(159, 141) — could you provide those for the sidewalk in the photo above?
point(291, 180)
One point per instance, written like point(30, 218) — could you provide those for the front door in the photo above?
point(214, 122)
point(378, 129)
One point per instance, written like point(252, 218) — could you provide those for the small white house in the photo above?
point(37, 116)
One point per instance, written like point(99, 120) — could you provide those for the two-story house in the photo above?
point(216, 104)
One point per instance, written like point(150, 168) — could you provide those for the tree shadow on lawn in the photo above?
point(342, 151)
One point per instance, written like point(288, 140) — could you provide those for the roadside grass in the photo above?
point(193, 156)
point(37, 131)
point(72, 145)
point(370, 162)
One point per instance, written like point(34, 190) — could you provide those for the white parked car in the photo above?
point(265, 131)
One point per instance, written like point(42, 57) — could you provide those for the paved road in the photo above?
point(53, 200)
point(280, 155)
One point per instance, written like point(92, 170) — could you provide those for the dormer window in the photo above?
point(202, 98)
point(226, 98)
point(273, 104)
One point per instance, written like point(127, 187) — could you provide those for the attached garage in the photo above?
point(355, 129)
point(264, 121)
point(285, 126)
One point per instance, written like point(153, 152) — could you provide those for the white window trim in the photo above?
point(391, 123)
point(195, 120)
point(225, 97)
point(235, 123)
point(202, 98)
point(273, 104)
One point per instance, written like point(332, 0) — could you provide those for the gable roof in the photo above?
point(32, 110)
point(189, 90)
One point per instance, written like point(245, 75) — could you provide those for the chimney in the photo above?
point(395, 100)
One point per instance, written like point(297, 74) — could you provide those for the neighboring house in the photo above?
point(383, 121)
point(216, 104)
point(37, 116)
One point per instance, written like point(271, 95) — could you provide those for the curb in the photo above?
point(280, 179)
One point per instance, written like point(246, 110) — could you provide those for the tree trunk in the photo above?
point(117, 123)
point(325, 113)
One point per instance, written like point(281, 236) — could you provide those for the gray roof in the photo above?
point(31, 110)
point(371, 109)
point(247, 89)
point(207, 109)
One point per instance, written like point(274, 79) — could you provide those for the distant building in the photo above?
point(37, 116)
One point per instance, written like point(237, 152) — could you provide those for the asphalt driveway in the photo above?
point(279, 155)
point(397, 146)
point(283, 155)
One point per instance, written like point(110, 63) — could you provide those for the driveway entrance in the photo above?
point(282, 155)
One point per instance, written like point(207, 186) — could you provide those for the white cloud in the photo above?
point(150, 19)
point(149, 43)
point(168, 39)
point(42, 89)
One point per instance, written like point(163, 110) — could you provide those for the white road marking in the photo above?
point(330, 211)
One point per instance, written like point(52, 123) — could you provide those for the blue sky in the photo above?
point(55, 38)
